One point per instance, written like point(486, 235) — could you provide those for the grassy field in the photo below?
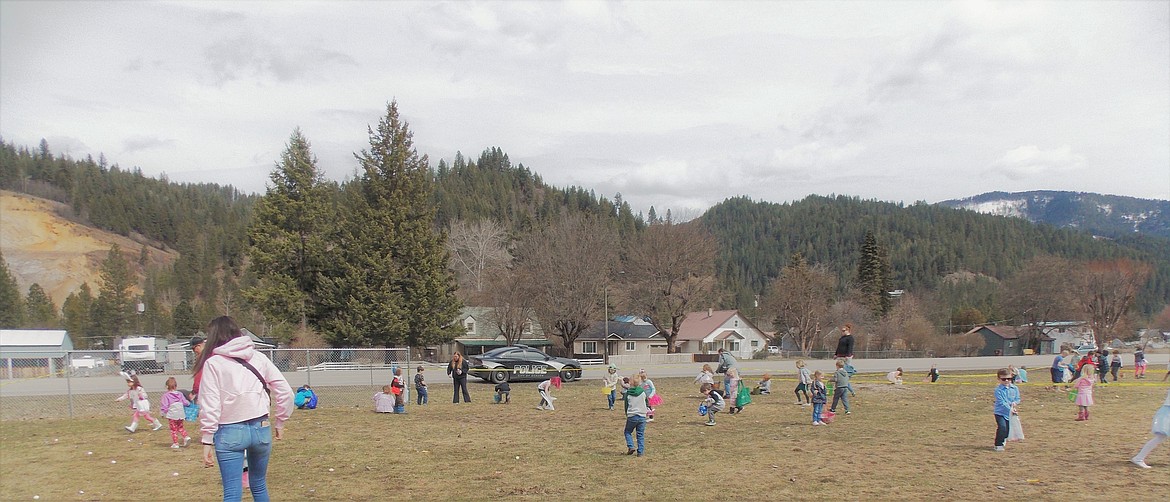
point(913, 442)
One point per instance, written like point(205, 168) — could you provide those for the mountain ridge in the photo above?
point(1102, 215)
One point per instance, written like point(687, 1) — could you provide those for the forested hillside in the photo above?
point(1110, 216)
point(925, 243)
point(492, 188)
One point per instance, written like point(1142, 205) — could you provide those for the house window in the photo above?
point(737, 323)
point(735, 346)
point(589, 347)
point(631, 346)
point(470, 325)
point(755, 344)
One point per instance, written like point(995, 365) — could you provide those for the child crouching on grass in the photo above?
point(384, 401)
point(636, 409)
point(545, 390)
point(714, 402)
point(765, 386)
point(1007, 397)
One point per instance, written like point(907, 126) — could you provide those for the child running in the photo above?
point(1160, 428)
point(714, 402)
point(172, 406)
point(841, 387)
point(636, 409)
point(139, 403)
point(652, 397)
point(420, 387)
point(819, 396)
point(1084, 387)
point(545, 390)
point(804, 379)
point(1007, 397)
point(610, 381)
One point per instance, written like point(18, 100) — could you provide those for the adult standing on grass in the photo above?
point(458, 369)
point(727, 363)
point(237, 382)
point(845, 343)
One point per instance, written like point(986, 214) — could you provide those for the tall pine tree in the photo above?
point(42, 313)
point(393, 285)
point(76, 319)
point(11, 302)
point(289, 235)
point(113, 310)
point(873, 276)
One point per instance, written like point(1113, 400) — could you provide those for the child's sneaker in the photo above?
point(1140, 463)
point(174, 446)
point(709, 424)
point(157, 425)
point(186, 439)
point(998, 448)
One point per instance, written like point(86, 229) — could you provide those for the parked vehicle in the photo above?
point(521, 362)
point(142, 354)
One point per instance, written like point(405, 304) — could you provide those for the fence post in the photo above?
point(308, 369)
point(69, 380)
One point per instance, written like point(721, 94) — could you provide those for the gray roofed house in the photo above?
point(627, 336)
point(480, 333)
point(28, 353)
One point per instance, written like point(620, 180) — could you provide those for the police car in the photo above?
point(521, 362)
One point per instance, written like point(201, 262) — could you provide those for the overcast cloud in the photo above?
point(674, 104)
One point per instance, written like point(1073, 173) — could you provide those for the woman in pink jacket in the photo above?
point(234, 396)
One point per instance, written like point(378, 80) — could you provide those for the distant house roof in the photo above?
point(33, 337)
point(1005, 332)
point(34, 343)
point(728, 334)
point(698, 325)
point(485, 326)
point(622, 330)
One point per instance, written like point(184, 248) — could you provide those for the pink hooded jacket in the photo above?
point(231, 393)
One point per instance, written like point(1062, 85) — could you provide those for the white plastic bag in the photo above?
point(1015, 429)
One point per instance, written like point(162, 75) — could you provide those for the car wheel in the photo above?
point(569, 375)
point(498, 376)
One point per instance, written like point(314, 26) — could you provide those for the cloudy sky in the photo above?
point(673, 104)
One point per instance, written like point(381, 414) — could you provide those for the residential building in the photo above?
point(708, 331)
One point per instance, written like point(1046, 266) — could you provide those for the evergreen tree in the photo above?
point(392, 285)
point(289, 236)
point(113, 310)
point(185, 321)
point(42, 313)
point(873, 276)
point(11, 302)
point(75, 312)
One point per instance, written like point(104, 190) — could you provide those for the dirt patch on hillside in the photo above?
point(42, 247)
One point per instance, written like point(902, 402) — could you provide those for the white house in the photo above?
point(708, 331)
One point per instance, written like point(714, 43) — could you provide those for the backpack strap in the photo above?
point(254, 372)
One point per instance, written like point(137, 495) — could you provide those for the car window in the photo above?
point(534, 355)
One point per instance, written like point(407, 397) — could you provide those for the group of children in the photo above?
point(174, 406)
point(392, 399)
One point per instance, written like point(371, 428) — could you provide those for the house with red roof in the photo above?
point(708, 331)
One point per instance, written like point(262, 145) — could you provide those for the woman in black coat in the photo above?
point(458, 371)
point(845, 344)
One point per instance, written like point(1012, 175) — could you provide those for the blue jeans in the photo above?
point(840, 394)
point(612, 398)
point(636, 423)
point(421, 392)
point(1001, 429)
point(817, 408)
point(233, 444)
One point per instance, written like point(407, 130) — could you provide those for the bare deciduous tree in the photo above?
point(477, 249)
point(672, 270)
point(1040, 292)
point(799, 301)
point(906, 327)
point(567, 266)
point(512, 312)
point(1106, 291)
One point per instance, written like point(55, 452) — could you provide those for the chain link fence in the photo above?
point(85, 383)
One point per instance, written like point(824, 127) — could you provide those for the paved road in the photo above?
point(436, 376)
